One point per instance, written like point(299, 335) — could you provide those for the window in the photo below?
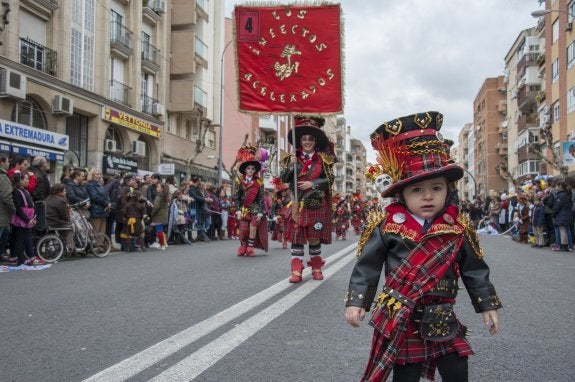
point(555, 70)
point(82, 44)
point(112, 134)
point(555, 31)
point(29, 113)
point(556, 112)
point(571, 55)
point(571, 100)
point(571, 10)
point(211, 139)
point(529, 167)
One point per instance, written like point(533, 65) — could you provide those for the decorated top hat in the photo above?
point(309, 126)
point(410, 149)
point(247, 156)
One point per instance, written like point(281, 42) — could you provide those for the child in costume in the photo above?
point(309, 172)
point(423, 245)
point(250, 201)
point(341, 218)
point(133, 221)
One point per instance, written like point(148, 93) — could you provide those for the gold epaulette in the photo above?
point(260, 181)
point(374, 219)
point(471, 235)
point(238, 180)
point(328, 159)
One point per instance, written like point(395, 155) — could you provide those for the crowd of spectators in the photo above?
point(135, 212)
point(540, 213)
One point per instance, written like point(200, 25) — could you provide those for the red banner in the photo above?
point(289, 59)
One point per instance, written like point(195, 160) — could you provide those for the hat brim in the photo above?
point(452, 173)
point(245, 164)
point(321, 139)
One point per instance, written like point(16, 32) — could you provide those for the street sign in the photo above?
point(166, 169)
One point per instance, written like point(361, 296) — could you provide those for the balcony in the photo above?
point(46, 6)
point(501, 148)
point(526, 121)
point(201, 53)
point(38, 56)
point(540, 97)
point(150, 61)
point(152, 10)
point(121, 40)
point(502, 106)
point(526, 152)
point(541, 59)
point(202, 10)
point(267, 123)
point(120, 93)
point(526, 97)
point(148, 104)
point(528, 59)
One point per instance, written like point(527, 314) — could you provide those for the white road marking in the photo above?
point(195, 364)
point(154, 354)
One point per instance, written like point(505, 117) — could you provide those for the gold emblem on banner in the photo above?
point(285, 70)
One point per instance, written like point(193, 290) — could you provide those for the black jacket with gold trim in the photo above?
point(390, 237)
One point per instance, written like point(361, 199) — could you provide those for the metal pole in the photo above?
point(294, 145)
point(221, 114)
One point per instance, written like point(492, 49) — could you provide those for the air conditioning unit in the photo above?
point(12, 84)
point(110, 145)
point(158, 109)
point(158, 6)
point(569, 26)
point(62, 105)
point(139, 148)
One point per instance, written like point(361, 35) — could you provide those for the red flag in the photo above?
point(289, 58)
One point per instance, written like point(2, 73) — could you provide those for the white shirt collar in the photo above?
point(421, 221)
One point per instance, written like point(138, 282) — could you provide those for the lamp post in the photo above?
point(543, 12)
point(221, 113)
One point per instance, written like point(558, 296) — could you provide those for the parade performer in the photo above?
point(341, 218)
point(425, 245)
point(357, 213)
point(312, 214)
point(282, 213)
point(249, 198)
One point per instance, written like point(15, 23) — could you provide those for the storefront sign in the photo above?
point(28, 151)
point(166, 169)
point(113, 165)
point(19, 132)
point(131, 122)
point(4, 147)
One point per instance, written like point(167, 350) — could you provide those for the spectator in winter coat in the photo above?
point(41, 191)
point(563, 214)
point(7, 208)
point(76, 192)
point(113, 191)
point(538, 222)
point(99, 200)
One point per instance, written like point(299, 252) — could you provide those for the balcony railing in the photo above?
point(201, 51)
point(201, 8)
point(201, 99)
point(526, 96)
point(38, 56)
point(150, 56)
point(121, 39)
point(51, 5)
point(120, 92)
point(148, 104)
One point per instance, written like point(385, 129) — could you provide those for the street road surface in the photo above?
point(200, 313)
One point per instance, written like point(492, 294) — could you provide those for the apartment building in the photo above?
point(519, 132)
point(467, 184)
point(488, 115)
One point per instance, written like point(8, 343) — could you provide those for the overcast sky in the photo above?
point(407, 56)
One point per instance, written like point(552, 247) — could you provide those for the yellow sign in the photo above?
point(131, 122)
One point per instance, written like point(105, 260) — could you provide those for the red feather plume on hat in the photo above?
point(278, 184)
point(246, 153)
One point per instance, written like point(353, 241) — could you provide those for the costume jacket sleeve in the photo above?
point(366, 273)
point(239, 196)
point(475, 274)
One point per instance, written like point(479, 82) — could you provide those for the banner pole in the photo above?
point(294, 145)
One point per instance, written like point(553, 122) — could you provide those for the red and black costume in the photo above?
point(312, 214)
point(250, 199)
point(387, 242)
point(341, 220)
point(283, 226)
point(357, 216)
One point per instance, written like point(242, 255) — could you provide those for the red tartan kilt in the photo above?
point(415, 350)
point(307, 228)
point(341, 227)
point(288, 228)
